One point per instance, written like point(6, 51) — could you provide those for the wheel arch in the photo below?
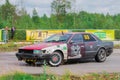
point(60, 52)
point(97, 57)
point(101, 48)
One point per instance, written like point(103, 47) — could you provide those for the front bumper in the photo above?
point(32, 57)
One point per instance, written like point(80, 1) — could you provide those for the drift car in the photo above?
point(59, 48)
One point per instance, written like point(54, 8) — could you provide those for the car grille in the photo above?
point(25, 51)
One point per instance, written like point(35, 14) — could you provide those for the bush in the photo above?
point(117, 34)
point(19, 35)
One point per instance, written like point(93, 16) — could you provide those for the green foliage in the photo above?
point(61, 19)
point(17, 76)
point(23, 76)
point(35, 17)
point(25, 22)
point(60, 7)
point(81, 20)
point(8, 13)
point(2, 24)
point(117, 34)
point(67, 76)
point(20, 35)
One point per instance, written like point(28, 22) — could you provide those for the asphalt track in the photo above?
point(9, 63)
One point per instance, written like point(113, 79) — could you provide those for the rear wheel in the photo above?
point(101, 55)
point(56, 59)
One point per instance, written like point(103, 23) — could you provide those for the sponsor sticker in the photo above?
point(64, 48)
point(75, 50)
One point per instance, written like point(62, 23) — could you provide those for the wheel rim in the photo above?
point(102, 55)
point(55, 59)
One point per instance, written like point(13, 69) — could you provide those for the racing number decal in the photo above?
point(75, 50)
point(86, 37)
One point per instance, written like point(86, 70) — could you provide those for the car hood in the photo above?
point(40, 46)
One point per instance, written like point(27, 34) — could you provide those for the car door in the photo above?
point(90, 45)
point(76, 47)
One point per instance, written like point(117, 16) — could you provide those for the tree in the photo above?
point(25, 22)
point(22, 12)
point(8, 12)
point(60, 8)
point(35, 16)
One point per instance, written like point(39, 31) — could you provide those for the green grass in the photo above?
point(67, 76)
point(23, 76)
point(17, 76)
point(10, 46)
point(117, 46)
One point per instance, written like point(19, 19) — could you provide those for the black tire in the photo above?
point(56, 59)
point(101, 55)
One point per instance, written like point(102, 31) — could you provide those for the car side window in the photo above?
point(77, 38)
point(88, 37)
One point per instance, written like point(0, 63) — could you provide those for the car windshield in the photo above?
point(58, 38)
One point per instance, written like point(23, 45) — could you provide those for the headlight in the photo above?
point(37, 51)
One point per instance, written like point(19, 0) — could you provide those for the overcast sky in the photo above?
point(93, 6)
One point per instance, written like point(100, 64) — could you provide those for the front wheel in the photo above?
point(55, 59)
point(101, 55)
